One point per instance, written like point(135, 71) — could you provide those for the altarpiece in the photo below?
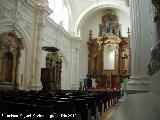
point(109, 54)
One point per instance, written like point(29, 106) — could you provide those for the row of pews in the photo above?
point(62, 104)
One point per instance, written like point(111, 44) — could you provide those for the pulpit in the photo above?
point(48, 79)
point(51, 75)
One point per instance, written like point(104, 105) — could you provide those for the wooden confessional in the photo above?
point(109, 53)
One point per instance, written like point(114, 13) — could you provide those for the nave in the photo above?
point(74, 104)
point(75, 57)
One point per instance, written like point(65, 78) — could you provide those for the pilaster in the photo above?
point(38, 36)
point(75, 45)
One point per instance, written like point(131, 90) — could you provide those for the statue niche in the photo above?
point(10, 52)
point(109, 24)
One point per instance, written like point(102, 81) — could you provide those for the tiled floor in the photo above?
point(134, 107)
point(142, 106)
point(107, 114)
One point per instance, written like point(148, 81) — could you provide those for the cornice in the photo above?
point(59, 28)
point(35, 6)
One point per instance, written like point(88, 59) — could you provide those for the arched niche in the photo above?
point(10, 52)
point(109, 57)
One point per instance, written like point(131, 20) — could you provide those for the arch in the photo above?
point(21, 33)
point(95, 7)
point(8, 26)
point(11, 46)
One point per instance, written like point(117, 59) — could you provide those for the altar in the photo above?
point(109, 53)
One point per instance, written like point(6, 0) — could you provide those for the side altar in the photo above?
point(109, 56)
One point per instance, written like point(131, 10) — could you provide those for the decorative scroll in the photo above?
point(52, 59)
point(11, 42)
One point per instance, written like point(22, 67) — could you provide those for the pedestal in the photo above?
point(138, 85)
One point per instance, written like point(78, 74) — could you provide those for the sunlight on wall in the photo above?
point(65, 18)
point(52, 6)
point(60, 13)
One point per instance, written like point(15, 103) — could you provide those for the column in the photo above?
point(74, 70)
point(75, 64)
point(77, 68)
point(38, 35)
point(141, 44)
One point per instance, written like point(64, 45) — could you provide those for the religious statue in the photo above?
point(102, 29)
point(110, 28)
point(109, 24)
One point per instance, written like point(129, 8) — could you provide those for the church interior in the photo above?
point(80, 59)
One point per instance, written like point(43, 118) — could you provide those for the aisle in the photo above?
point(106, 115)
point(140, 106)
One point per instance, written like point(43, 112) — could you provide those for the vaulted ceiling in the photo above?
point(82, 8)
point(78, 6)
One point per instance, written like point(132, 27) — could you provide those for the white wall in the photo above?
point(32, 24)
point(56, 36)
point(92, 23)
